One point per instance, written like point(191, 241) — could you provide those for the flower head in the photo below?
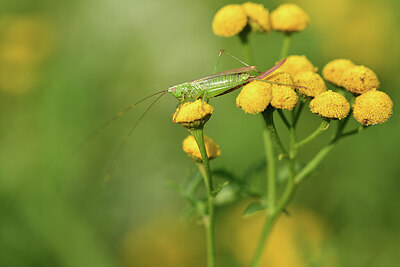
point(254, 97)
point(312, 84)
point(191, 148)
point(229, 20)
point(333, 70)
point(296, 64)
point(283, 97)
point(359, 79)
point(330, 105)
point(372, 107)
point(193, 114)
point(289, 18)
point(258, 17)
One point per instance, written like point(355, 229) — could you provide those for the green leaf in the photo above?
point(254, 207)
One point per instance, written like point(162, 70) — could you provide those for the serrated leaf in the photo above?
point(254, 207)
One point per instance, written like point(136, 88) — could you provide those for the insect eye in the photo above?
point(173, 89)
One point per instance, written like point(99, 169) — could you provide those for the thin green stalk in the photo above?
point(244, 40)
point(208, 220)
point(321, 128)
point(296, 113)
point(271, 175)
point(286, 45)
point(283, 117)
point(284, 200)
point(269, 119)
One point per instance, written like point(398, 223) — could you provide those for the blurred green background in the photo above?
point(67, 66)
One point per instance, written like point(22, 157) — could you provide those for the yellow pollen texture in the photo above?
point(258, 17)
point(229, 21)
point(312, 83)
point(359, 79)
point(296, 64)
point(254, 97)
point(283, 97)
point(372, 107)
point(330, 105)
point(334, 70)
point(191, 148)
point(192, 111)
point(289, 18)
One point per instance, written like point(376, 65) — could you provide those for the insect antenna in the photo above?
point(117, 153)
point(104, 125)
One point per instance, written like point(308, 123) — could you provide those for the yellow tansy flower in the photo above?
point(191, 148)
point(334, 70)
point(372, 107)
point(193, 114)
point(282, 97)
point(296, 64)
point(258, 17)
point(330, 105)
point(229, 21)
point(312, 84)
point(359, 79)
point(254, 97)
point(289, 18)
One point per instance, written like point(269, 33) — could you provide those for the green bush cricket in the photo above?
point(203, 88)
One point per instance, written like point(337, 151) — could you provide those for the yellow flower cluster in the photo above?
point(191, 148)
point(359, 79)
point(330, 105)
point(309, 83)
point(254, 97)
point(289, 18)
point(372, 107)
point(193, 114)
point(333, 70)
point(231, 19)
point(296, 64)
point(257, 95)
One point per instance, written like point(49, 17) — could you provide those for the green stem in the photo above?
point(208, 220)
point(275, 211)
point(283, 117)
point(269, 119)
point(286, 45)
point(321, 128)
point(270, 155)
point(244, 40)
point(296, 113)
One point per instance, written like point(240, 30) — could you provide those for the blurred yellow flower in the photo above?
point(298, 240)
point(312, 83)
point(289, 18)
point(193, 114)
point(330, 105)
point(162, 242)
point(191, 148)
point(282, 97)
point(229, 21)
point(26, 41)
point(359, 79)
point(258, 17)
point(333, 70)
point(254, 97)
point(296, 64)
point(372, 107)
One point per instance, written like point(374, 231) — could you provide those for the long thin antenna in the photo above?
point(104, 125)
point(117, 153)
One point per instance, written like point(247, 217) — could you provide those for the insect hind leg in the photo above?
point(236, 58)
